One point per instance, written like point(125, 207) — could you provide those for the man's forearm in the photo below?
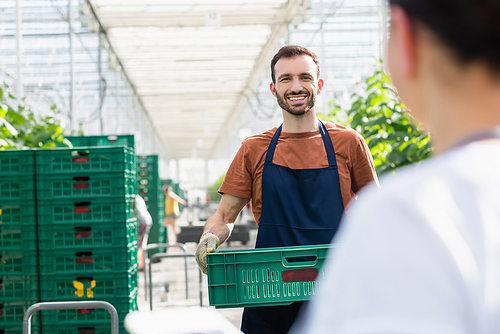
point(216, 224)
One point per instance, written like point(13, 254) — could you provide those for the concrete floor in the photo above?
point(171, 271)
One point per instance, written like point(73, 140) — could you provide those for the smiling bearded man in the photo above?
point(299, 177)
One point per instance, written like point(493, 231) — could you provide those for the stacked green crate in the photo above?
point(112, 140)
point(87, 232)
point(18, 239)
point(150, 188)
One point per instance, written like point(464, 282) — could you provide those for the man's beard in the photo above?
point(296, 111)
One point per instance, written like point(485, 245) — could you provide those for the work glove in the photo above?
point(208, 244)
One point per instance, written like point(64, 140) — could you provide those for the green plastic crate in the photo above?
point(157, 235)
point(88, 260)
point(18, 262)
point(91, 317)
point(155, 210)
point(264, 276)
point(15, 212)
point(17, 162)
point(110, 140)
point(148, 159)
point(143, 174)
point(159, 200)
point(151, 194)
point(14, 288)
point(88, 210)
point(17, 187)
point(19, 237)
point(85, 159)
point(13, 312)
point(148, 185)
point(91, 234)
point(84, 185)
point(75, 287)
point(18, 329)
point(82, 329)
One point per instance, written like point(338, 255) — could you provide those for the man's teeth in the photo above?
point(297, 98)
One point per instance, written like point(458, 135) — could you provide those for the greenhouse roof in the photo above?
point(193, 62)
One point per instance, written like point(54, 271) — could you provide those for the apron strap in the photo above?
point(272, 146)
point(327, 141)
point(330, 151)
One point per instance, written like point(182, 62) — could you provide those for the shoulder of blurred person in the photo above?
point(412, 256)
point(143, 215)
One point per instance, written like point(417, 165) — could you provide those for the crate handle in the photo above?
point(81, 178)
point(85, 278)
point(112, 139)
point(80, 153)
point(83, 229)
point(83, 257)
point(81, 185)
point(83, 253)
point(299, 261)
point(82, 207)
point(83, 232)
point(81, 203)
point(86, 330)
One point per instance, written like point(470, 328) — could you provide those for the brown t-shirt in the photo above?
point(299, 151)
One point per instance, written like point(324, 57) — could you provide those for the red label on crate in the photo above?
point(85, 160)
point(81, 260)
point(81, 185)
point(81, 210)
point(299, 275)
point(79, 235)
point(85, 311)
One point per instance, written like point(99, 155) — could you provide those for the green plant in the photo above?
point(214, 187)
point(379, 115)
point(20, 128)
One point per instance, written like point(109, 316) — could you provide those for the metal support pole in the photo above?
point(72, 63)
point(326, 108)
point(71, 306)
point(160, 255)
point(146, 247)
point(101, 85)
point(19, 89)
point(384, 30)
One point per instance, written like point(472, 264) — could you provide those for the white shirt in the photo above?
point(421, 255)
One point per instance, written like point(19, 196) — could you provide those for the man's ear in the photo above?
point(273, 89)
point(403, 44)
point(321, 82)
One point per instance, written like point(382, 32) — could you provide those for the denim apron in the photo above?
point(299, 207)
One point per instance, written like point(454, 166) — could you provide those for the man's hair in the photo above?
point(291, 51)
point(471, 28)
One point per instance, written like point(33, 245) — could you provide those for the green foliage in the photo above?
point(20, 128)
point(214, 187)
point(383, 120)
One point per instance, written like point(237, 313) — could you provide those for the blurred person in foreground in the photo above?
point(299, 177)
point(422, 255)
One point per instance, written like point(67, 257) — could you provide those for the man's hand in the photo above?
point(208, 244)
